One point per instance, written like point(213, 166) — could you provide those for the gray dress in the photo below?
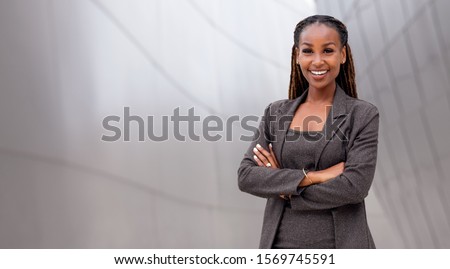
point(303, 229)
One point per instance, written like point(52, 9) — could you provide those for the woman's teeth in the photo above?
point(318, 73)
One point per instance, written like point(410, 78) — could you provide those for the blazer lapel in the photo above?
point(283, 120)
point(335, 118)
point(285, 114)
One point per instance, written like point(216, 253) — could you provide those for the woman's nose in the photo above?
point(317, 59)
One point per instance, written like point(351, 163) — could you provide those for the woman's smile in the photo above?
point(318, 74)
point(320, 56)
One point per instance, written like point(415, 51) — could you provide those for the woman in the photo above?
point(314, 154)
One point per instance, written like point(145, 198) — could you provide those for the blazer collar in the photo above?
point(335, 118)
point(339, 103)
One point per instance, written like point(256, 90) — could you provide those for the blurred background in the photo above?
point(65, 65)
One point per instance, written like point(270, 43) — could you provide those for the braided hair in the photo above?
point(346, 77)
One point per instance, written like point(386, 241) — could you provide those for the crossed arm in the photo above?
point(338, 185)
point(266, 158)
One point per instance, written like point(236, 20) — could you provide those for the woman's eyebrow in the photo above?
point(324, 45)
point(329, 43)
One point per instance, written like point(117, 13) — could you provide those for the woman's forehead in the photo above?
point(319, 33)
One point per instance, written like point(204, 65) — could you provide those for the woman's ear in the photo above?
point(344, 54)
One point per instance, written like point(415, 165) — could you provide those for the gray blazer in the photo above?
point(351, 135)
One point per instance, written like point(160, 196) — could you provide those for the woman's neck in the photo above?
point(320, 96)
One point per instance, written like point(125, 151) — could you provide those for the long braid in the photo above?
point(346, 77)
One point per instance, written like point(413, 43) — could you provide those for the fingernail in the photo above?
point(255, 150)
point(258, 145)
point(254, 157)
point(270, 145)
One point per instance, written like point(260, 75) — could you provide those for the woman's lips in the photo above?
point(318, 74)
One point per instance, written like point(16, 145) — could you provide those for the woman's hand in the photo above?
point(265, 158)
point(326, 174)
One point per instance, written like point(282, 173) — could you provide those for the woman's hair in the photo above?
point(346, 77)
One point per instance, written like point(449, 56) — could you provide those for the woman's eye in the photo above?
point(306, 50)
point(328, 51)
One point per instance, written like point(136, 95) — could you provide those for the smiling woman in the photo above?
point(315, 188)
point(320, 56)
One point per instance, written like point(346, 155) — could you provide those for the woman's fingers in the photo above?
point(269, 155)
point(266, 157)
point(258, 161)
point(273, 155)
point(258, 151)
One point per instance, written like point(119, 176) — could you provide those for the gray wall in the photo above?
point(66, 65)
point(402, 54)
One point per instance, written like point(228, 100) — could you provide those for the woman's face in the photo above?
point(320, 55)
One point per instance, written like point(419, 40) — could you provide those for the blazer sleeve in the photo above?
point(352, 186)
point(262, 181)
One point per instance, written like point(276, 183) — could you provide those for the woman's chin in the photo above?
point(320, 86)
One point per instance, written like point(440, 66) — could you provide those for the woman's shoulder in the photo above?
point(361, 107)
point(278, 104)
point(354, 106)
point(281, 103)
